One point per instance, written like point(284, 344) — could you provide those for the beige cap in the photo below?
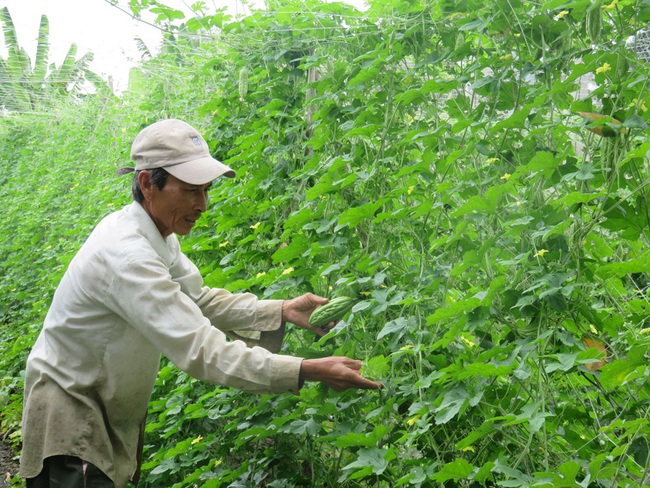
point(178, 148)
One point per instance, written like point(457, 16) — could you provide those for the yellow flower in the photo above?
point(593, 329)
point(123, 129)
point(492, 160)
point(260, 274)
point(468, 448)
point(561, 15)
point(223, 244)
point(412, 420)
point(467, 341)
point(603, 69)
point(611, 6)
point(540, 253)
point(197, 440)
point(287, 271)
point(518, 204)
point(410, 190)
point(254, 227)
point(406, 347)
point(640, 104)
point(506, 176)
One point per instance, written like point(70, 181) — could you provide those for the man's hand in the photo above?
point(297, 311)
point(337, 372)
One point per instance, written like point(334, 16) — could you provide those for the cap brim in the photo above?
point(200, 171)
point(124, 171)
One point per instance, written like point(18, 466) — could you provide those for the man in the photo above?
point(130, 295)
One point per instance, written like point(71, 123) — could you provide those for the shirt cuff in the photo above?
point(269, 315)
point(286, 374)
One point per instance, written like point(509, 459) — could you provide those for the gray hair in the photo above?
point(158, 177)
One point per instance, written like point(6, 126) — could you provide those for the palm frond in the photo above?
point(42, 50)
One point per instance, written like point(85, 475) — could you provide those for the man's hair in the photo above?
point(158, 177)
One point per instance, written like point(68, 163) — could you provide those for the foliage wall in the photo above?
point(56, 182)
point(443, 162)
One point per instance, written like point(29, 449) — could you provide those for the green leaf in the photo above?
point(575, 198)
point(635, 122)
point(393, 326)
point(483, 370)
point(309, 426)
point(456, 470)
point(486, 428)
point(354, 439)
point(453, 310)
point(532, 414)
point(542, 161)
point(373, 458)
point(364, 76)
point(478, 25)
point(376, 367)
point(295, 249)
point(638, 265)
point(621, 371)
point(569, 472)
point(564, 362)
point(453, 401)
point(516, 121)
point(354, 215)
point(474, 205)
point(42, 51)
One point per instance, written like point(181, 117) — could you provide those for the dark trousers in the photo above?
point(68, 472)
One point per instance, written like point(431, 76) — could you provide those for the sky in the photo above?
point(94, 26)
point(97, 26)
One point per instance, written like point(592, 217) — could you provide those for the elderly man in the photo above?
point(130, 295)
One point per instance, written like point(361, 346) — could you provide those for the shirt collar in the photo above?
point(164, 247)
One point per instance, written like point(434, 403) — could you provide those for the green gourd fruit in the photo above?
point(333, 310)
point(243, 83)
point(594, 21)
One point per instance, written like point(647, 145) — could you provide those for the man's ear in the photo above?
point(146, 184)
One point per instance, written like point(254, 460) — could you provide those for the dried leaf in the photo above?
point(596, 365)
point(602, 129)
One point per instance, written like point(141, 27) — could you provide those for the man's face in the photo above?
point(176, 207)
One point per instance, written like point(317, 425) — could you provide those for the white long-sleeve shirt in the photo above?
point(127, 297)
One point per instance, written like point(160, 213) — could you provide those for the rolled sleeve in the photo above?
point(241, 316)
point(144, 294)
point(287, 374)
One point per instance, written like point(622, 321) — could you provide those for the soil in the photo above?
point(8, 464)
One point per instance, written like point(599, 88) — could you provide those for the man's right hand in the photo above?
point(338, 372)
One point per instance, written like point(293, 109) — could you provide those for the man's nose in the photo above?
point(202, 202)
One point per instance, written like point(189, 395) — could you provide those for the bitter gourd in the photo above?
point(333, 310)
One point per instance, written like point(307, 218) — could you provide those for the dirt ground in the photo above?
point(8, 465)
